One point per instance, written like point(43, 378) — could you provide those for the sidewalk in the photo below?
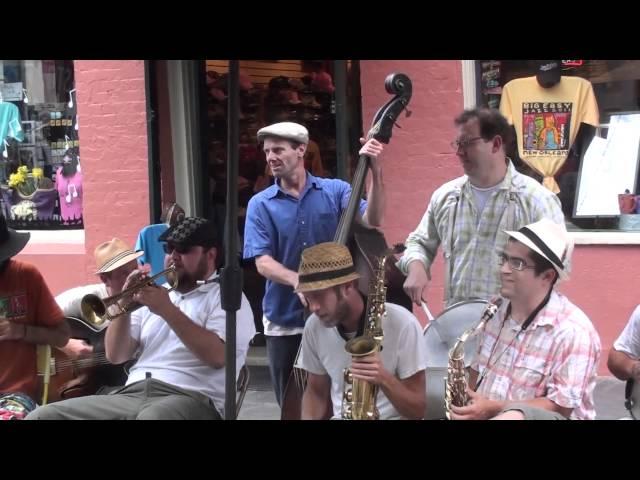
point(260, 401)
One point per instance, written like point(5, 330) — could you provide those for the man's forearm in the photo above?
point(205, 345)
point(314, 406)
point(275, 271)
point(118, 344)
point(55, 336)
point(621, 364)
point(408, 401)
point(374, 214)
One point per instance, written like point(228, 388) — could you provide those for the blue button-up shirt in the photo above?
point(282, 226)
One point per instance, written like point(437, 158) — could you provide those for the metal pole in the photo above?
point(342, 122)
point(231, 274)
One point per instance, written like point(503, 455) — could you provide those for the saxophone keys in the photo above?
point(348, 377)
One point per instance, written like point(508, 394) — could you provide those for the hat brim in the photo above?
point(14, 244)
point(112, 265)
point(322, 284)
point(562, 274)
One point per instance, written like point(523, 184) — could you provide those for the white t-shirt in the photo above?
point(166, 358)
point(629, 340)
point(69, 300)
point(480, 198)
point(403, 354)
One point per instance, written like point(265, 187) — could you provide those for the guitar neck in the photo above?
point(349, 214)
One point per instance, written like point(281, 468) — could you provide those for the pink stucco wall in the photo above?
point(113, 153)
point(419, 159)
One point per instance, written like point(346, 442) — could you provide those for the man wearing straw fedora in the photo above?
point(115, 261)
point(29, 316)
point(329, 282)
point(538, 357)
point(178, 338)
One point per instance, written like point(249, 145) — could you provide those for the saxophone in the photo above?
point(456, 381)
point(359, 401)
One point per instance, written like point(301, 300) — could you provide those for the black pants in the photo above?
point(282, 353)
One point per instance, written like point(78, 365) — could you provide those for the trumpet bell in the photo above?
point(93, 309)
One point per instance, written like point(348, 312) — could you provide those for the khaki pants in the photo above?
point(533, 413)
point(148, 399)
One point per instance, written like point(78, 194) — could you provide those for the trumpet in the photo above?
point(96, 310)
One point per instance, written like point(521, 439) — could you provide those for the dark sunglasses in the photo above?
point(181, 249)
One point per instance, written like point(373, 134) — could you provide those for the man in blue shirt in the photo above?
point(298, 211)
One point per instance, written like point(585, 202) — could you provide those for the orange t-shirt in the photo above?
point(24, 298)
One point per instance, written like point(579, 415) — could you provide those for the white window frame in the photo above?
point(582, 237)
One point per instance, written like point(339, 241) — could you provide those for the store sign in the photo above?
point(572, 63)
point(11, 92)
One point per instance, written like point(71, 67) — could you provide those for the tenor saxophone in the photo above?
point(359, 396)
point(456, 382)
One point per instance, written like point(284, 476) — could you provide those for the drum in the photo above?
point(632, 398)
point(440, 336)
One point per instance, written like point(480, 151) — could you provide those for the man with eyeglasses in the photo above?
point(537, 358)
point(467, 216)
point(178, 338)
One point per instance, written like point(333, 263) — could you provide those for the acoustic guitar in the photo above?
point(70, 378)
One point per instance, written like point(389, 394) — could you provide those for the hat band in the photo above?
point(330, 275)
point(117, 258)
point(542, 246)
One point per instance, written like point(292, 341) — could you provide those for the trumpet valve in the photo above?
point(348, 376)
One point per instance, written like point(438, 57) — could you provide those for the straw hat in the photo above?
point(114, 254)
point(325, 265)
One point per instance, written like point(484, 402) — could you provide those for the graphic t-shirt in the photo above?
point(547, 120)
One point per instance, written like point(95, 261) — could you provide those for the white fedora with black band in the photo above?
point(548, 239)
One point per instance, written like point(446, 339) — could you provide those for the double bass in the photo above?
point(365, 242)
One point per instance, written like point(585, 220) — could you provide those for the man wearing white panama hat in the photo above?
point(538, 357)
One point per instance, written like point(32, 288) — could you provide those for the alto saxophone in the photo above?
point(456, 382)
point(359, 401)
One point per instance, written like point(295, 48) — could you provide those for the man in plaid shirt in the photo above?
point(538, 357)
point(467, 216)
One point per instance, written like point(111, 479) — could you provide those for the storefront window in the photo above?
point(40, 174)
point(586, 179)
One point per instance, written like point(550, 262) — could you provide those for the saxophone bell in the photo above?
point(456, 382)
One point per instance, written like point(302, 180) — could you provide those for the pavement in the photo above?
point(260, 401)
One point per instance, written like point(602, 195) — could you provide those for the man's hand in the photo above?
point(373, 149)
point(478, 408)
point(11, 330)
point(77, 348)
point(635, 371)
point(156, 298)
point(416, 282)
point(369, 368)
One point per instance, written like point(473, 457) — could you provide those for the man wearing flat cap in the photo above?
point(298, 211)
point(29, 316)
point(178, 338)
point(538, 356)
point(328, 279)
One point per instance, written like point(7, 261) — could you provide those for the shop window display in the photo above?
point(40, 173)
point(556, 122)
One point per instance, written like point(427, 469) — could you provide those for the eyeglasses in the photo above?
point(456, 144)
point(514, 262)
point(181, 249)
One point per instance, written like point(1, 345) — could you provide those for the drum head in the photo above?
point(440, 337)
point(441, 334)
